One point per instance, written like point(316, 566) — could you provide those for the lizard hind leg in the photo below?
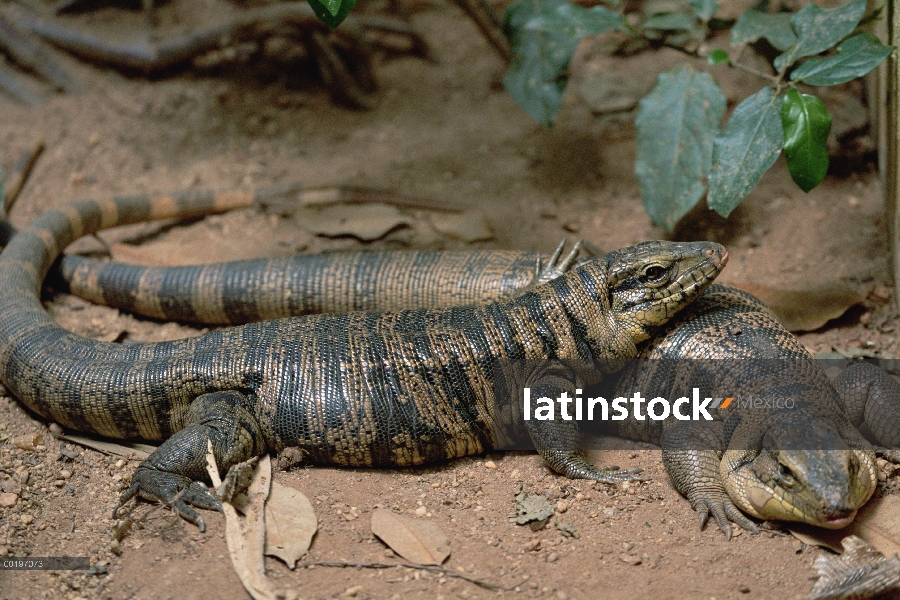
point(872, 397)
point(173, 472)
point(558, 440)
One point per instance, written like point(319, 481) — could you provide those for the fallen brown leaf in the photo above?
point(468, 226)
point(366, 222)
point(420, 542)
point(861, 572)
point(878, 523)
point(804, 310)
point(290, 524)
point(124, 449)
point(246, 536)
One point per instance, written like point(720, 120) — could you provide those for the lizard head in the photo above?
point(650, 282)
point(802, 472)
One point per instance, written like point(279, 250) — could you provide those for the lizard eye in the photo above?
point(786, 476)
point(655, 273)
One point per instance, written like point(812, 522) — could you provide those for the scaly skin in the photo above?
point(355, 389)
point(806, 463)
point(831, 484)
point(246, 291)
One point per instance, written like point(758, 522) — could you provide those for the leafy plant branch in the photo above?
point(683, 152)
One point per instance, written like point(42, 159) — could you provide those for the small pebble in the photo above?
point(797, 546)
point(115, 548)
point(4, 551)
point(59, 483)
point(26, 519)
point(490, 465)
point(562, 506)
point(744, 589)
point(353, 591)
point(120, 463)
point(65, 474)
point(55, 429)
point(420, 512)
point(630, 559)
point(533, 546)
point(553, 557)
point(24, 476)
point(8, 500)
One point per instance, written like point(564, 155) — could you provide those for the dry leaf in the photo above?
point(468, 226)
point(804, 310)
point(246, 536)
point(861, 572)
point(290, 524)
point(420, 542)
point(878, 523)
point(366, 222)
point(213, 240)
point(123, 448)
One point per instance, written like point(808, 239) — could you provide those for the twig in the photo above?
point(484, 18)
point(775, 79)
point(432, 568)
point(17, 179)
point(29, 53)
point(9, 83)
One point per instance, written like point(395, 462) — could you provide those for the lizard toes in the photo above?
point(177, 491)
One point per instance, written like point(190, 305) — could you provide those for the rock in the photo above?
point(115, 548)
point(26, 519)
point(352, 592)
point(490, 465)
point(24, 476)
point(55, 429)
point(8, 500)
point(630, 559)
point(4, 551)
point(743, 589)
point(553, 557)
point(562, 506)
point(65, 474)
point(59, 483)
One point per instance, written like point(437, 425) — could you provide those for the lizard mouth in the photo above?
point(837, 522)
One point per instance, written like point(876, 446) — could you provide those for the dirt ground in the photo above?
point(447, 132)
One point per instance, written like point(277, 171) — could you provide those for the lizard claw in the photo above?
point(177, 491)
point(890, 454)
point(555, 267)
point(724, 512)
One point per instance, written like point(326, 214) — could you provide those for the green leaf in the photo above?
point(718, 57)
point(704, 9)
point(746, 148)
point(568, 23)
point(543, 35)
point(331, 12)
point(753, 25)
point(819, 29)
point(806, 125)
point(669, 22)
point(676, 124)
point(855, 57)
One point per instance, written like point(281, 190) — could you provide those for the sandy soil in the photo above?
point(447, 132)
